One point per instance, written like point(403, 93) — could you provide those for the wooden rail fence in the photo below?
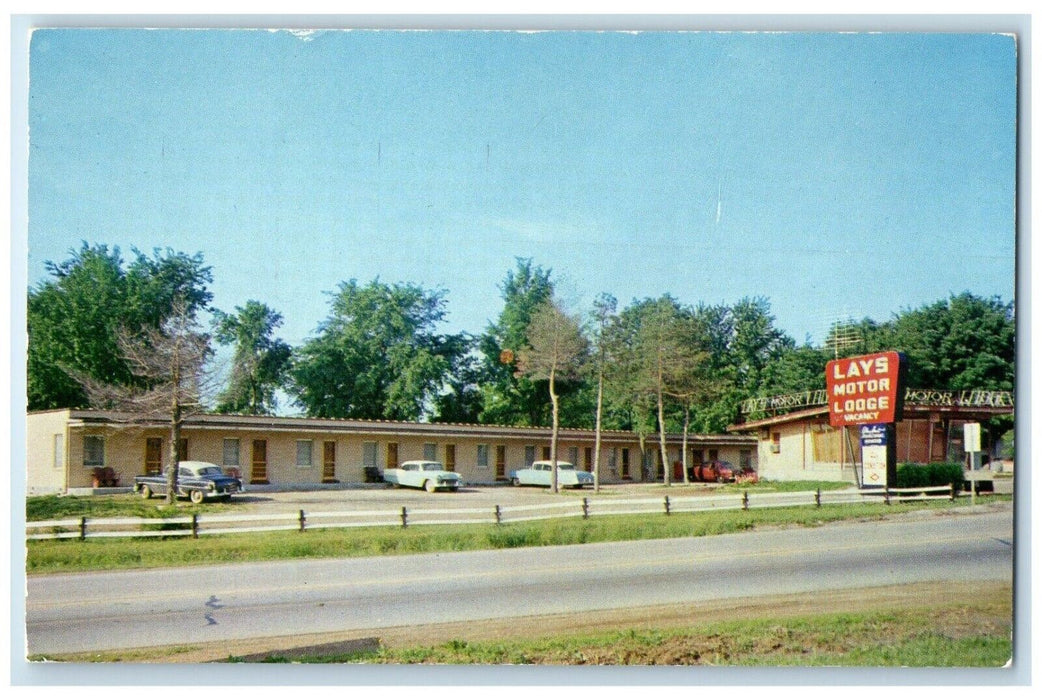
point(195, 525)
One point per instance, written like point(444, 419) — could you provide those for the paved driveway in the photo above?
point(377, 496)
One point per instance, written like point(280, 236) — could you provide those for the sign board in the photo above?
point(874, 454)
point(865, 389)
point(971, 437)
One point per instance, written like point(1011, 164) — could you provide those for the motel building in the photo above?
point(68, 449)
point(795, 441)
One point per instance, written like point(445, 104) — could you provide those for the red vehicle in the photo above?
point(716, 470)
point(746, 475)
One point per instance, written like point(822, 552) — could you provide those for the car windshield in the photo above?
point(432, 467)
point(210, 471)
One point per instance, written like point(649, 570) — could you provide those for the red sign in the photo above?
point(864, 389)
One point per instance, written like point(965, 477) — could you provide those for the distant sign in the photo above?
point(874, 454)
point(971, 437)
point(865, 389)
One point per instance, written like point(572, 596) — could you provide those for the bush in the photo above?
point(934, 474)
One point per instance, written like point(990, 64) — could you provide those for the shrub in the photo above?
point(933, 474)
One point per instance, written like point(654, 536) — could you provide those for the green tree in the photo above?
point(510, 398)
point(377, 354)
point(260, 362)
point(74, 317)
point(964, 342)
point(556, 350)
point(661, 359)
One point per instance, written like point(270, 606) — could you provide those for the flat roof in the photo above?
point(213, 421)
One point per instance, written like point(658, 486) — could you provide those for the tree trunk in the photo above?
point(553, 437)
point(175, 453)
point(683, 444)
point(666, 466)
point(597, 433)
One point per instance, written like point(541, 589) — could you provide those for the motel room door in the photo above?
point(153, 455)
point(259, 471)
point(329, 462)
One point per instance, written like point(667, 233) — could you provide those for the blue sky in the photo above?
point(834, 174)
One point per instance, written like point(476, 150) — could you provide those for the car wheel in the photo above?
point(146, 492)
point(196, 496)
point(515, 481)
point(429, 485)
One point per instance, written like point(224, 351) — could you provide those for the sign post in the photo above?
point(971, 443)
point(868, 391)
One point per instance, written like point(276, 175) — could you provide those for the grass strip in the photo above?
point(51, 556)
point(971, 634)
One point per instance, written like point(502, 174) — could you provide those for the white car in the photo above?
point(539, 474)
point(423, 474)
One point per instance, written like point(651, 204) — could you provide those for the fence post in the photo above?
point(667, 505)
point(953, 491)
point(499, 516)
point(83, 527)
point(301, 520)
point(817, 498)
point(745, 500)
point(886, 495)
point(195, 526)
point(405, 517)
point(586, 508)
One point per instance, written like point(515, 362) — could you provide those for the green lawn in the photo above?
point(47, 556)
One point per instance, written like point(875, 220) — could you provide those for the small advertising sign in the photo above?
point(971, 437)
point(865, 389)
point(874, 454)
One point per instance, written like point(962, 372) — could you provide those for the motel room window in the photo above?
point(573, 456)
point(613, 460)
point(529, 454)
point(59, 451)
point(430, 451)
point(483, 456)
point(369, 455)
point(775, 443)
point(745, 459)
point(304, 449)
point(93, 451)
point(231, 452)
point(714, 455)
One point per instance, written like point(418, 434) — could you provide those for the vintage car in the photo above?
point(716, 470)
point(539, 474)
point(423, 474)
point(195, 480)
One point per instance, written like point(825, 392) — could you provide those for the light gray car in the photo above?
point(423, 474)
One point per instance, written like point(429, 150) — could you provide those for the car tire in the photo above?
point(429, 485)
point(196, 496)
point(146, 492)
point(515, 481)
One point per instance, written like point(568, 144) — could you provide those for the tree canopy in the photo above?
point(74, 317)
point(377, 355)
point(260, 361)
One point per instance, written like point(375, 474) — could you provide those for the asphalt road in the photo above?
point(99, 611)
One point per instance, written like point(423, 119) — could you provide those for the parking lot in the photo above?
point(266, 499)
